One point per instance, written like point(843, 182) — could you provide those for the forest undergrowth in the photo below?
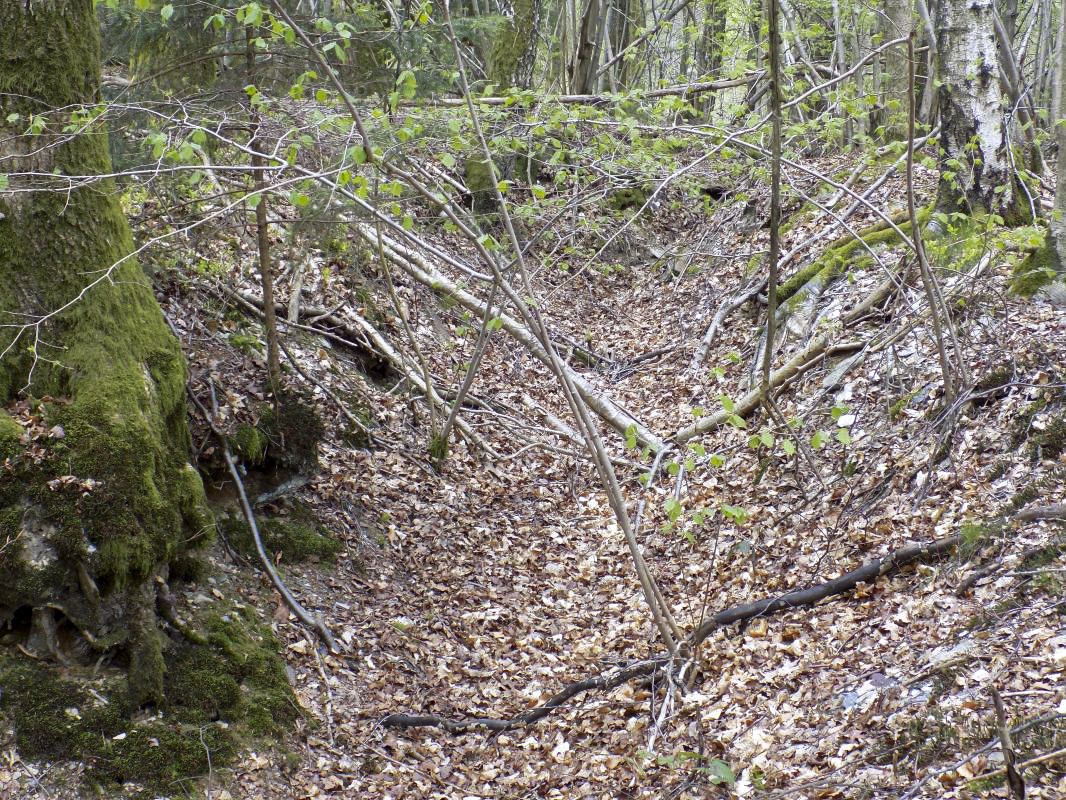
point(480, 585)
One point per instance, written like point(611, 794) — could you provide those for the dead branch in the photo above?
point(867, 573)
point(424, 273)
point(297, 608)
point(597, 99)
point(1053, 511)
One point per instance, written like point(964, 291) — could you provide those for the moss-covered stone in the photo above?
point(250, 444)
point(10, 437)
point(481, 178)
point(628, 197)
point(219, 693)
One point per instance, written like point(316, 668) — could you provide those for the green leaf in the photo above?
point(843, 436)
point(717, 461)
point(736, 421)
point(494, 324)
point(673, 509)
point(359, 155)
point(789, 447)
point(819, 439)
point(166, 12)
point(698, 449)
point(720, 772)
point(673, 467)
point(727, 402)
point(448, 160)
point(766, 438)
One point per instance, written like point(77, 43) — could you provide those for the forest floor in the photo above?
point(482, 587)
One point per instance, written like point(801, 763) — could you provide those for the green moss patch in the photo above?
point(295, 535)
point(1038, 269)
point(846, 252)
point(1051, 441)
point(10, 436)
point(217, 695)
point(287, 434)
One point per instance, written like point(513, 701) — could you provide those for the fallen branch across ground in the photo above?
point(302, 614)
point(867, 573)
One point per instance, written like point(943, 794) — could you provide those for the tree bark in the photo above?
point(96, 510)
point(975, 170)
point(1058, 218)
point(898, 20)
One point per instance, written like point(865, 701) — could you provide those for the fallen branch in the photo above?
point(297, 608)
point(301, 613)
point(867, 573)
point(424, 273)
point(596, 99)
point(802, 361)
point(1053, 511)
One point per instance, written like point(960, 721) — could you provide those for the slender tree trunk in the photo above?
point(927, 112)
point(1056, 88)
point(587, 56)
point(96, 516)
point(1058, 219)
point(897, 21)
point(262, 231)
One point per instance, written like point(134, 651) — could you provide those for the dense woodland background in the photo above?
point(590, 398)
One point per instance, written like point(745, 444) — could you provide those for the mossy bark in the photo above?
point(514, 49)
point(97, 511)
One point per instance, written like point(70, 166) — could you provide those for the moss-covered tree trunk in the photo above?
point(97, 498)
point(514, 50)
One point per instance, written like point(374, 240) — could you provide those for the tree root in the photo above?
point(867, 573)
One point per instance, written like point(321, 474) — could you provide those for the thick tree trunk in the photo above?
point(514, 52)
point(94, 511)
point(975, 169)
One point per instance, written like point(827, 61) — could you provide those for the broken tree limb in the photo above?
point(424, 273)
point(301, 613)
point(800, 362)
point(1053, 511)
point(294, 605)
point(800, 598)
point(867, 573)
point(597, 99)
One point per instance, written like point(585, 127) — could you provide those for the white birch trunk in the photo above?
point(975, 171)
